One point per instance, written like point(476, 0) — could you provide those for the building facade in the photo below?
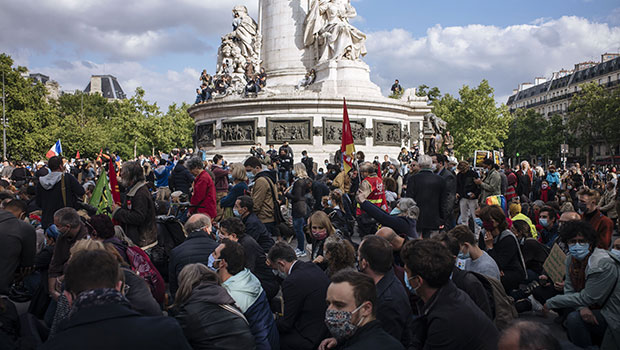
point(106, 85)
point(552, 96)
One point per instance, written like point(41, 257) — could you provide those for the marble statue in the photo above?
point(241, 47)
point(328, 30)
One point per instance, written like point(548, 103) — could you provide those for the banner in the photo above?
point(102, 197)
point(347, 148)
point(116, 193)
point(479, 157)
point(555, 265)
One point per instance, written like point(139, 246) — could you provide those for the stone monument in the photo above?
point(312, 57)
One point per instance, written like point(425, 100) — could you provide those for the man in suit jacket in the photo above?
point(524, 181)
point(101, 315)
point(450, 178)
point(429, 191)
point(304, 289)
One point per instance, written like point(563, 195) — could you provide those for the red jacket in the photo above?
point(221, 178)
point(203, 197)
point(604, 226)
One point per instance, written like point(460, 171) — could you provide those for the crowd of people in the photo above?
point(416, 252)
point(224, 83)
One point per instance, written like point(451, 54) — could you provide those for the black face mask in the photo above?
point(582, 208)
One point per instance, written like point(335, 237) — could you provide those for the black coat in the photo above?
point(371, 337)
point(196, 249)
point(139, 294)
point(180, 179)
point(429, 192)
point(470, 284)
point(450, 178)
point(297, 195)
point(524, 185)
point(116, 326)
point(303, 325)
point(393, 308)
point(49, 197)
point(17, 248)
point(255, 229)
point(255, 261)
point(137, 216)
point(208, 325)
point(465, 184)
point(451, 320)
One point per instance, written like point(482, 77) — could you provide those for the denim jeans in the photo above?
point(298, 226)
point(284, 175)
point(581, 333)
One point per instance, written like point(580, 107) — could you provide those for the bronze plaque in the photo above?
point(238, 132)
point(332, 131)
point(387, 133)
point(295, 131)
point(204, 135)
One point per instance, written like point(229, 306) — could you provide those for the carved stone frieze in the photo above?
point(332, 131)
point(238, 132)
point(204, 135)
point(295, 131)
point(387, 133)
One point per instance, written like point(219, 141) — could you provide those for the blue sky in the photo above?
point(162, 45)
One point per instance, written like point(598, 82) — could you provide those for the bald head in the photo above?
point(390, 235)
point(528, 335)
point(196, 222)
point(368, 168)
point(570, 216)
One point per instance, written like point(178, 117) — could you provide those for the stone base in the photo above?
point(344, 78)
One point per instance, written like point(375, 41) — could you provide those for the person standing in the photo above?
point(203, 196)
point(17, 249)
point(440, 163)
point(467, 193)
point(221, 183)
point(297, 195)
point(524, 180)
point(372, 188)
point(491, 185)
point(396, 88)
point(264, 193)
point(429, 191)
point(181, 179)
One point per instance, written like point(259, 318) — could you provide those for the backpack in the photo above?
point(502, 306)
point(144, 268)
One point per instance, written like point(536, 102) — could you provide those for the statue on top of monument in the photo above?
point(242, 45)
point(329, 31)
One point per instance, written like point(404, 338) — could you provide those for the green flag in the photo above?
point(102, 196)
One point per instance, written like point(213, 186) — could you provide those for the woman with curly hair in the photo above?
point(339, 254)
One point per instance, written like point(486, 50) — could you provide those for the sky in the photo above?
point(162, 45)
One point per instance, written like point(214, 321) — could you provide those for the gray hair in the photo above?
point(194, 163)
point(533, 335)
point(425, 161)
point(408, 207)
point(131, 173)
point(196, 222)
point(190, 277)
point(68, 217)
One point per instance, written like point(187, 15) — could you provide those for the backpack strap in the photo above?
point(63, 189)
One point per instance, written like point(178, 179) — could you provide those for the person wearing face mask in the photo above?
point(304, 288)
point(491, 185)
point(351, 315)
point(428, 266)
point(98, 306)
point(264, 194)
point(228, 261)
point(587, 207)
point(476, 259)
point(547, 218)
point(339, 216)
point(393, 172)
point(199, 244)
point(239, 188)
point(607, 203)
point(243, 209)
point(591, 288)
point(255, 256)
point(503, 246)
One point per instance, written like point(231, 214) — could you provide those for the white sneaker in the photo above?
point(536, 306)
point(300, 253)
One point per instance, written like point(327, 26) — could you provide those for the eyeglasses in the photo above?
point(575, 241)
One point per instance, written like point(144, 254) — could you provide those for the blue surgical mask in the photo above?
point(395, 211)
point(230, 178)
point(211, 261)
point(411, 289)
point(579, 250)
point(464, 256)
point(616, 252)
point(329, 202)
point(293, 172)
point(543, 222)
point(236, 213)
point(478, 221)
point(250, 176)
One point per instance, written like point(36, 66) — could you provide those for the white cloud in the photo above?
point(452, 56)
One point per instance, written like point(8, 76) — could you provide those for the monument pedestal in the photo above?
point(344, 78)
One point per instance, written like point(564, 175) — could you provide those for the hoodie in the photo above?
point(244, 288)
point(48, 181)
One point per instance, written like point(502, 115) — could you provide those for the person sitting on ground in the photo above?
point(528, 335)
point(428, 266)
point(207, 313)
point(547, 218)
point(339, 255)
point(304, 288)
point(591, 288)
point(588, 208)
point(255, 256)
point(396, 88)
point(98, 307)
point(197, 248)
point(320, 229)
point(352, 315)
point(503, 247)
point(392, 307)
point(476, 259)
point(514, 210)
point(228, 260)
point(534, 252)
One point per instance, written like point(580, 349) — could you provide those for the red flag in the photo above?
point(77, 156)
point(116, 193)
point(347, 148)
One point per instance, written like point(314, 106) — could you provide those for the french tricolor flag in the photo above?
point(55, 150)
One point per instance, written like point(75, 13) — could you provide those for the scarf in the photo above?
point(577, 273)
point(97, 297)
point(544, 195)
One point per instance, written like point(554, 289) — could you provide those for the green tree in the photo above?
point(594, 115)
point(474, 119)
point(433, 94)
point(533, 135)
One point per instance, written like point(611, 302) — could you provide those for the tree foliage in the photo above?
point(594, 115)
point(531, 135)
point(474, 119)
point(432, 93)
point(87, 123)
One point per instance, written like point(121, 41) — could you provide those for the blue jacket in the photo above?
point(255, 229)
point(554, 178)
point(196, 249)
point(162, 173)
point(235, 192)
